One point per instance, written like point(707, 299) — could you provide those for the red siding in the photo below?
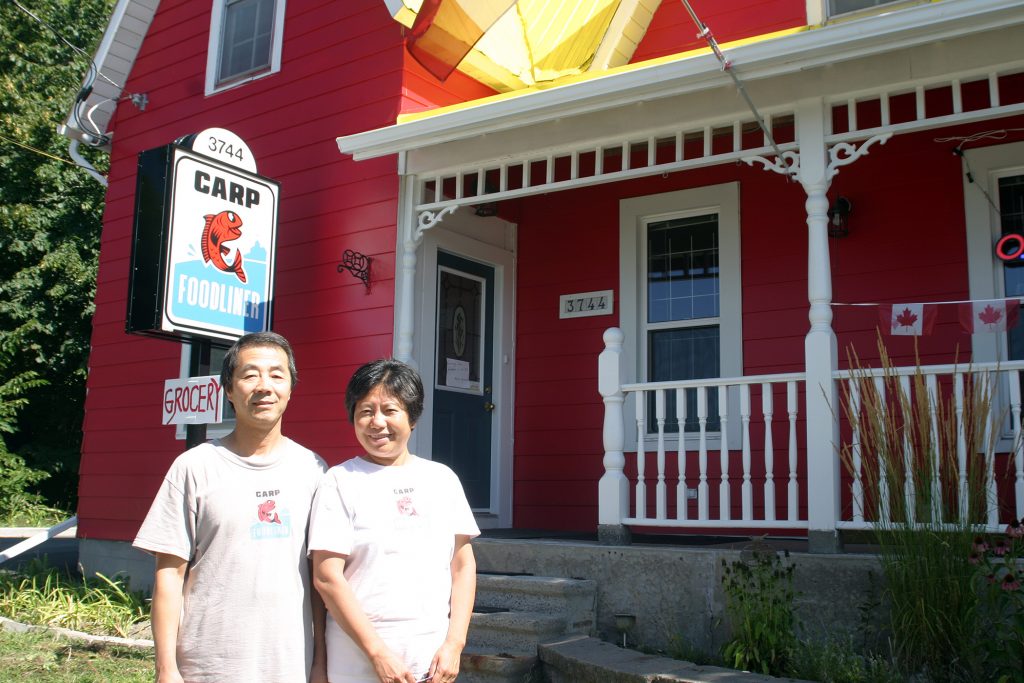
point(672, 30)
point(342, 72)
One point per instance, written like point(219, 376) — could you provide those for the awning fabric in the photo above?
point(530, 40)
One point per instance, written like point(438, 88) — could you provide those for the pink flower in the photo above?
point(979, 544)
point(1000, 548)
point(1010, 582)
point(1015, 529)
point(974, 558)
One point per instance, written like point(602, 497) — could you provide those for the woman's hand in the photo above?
point(445, 665)
point(389, 668)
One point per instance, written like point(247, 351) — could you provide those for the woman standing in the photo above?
point(390, 540)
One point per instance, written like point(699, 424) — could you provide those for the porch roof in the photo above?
point(647, 86)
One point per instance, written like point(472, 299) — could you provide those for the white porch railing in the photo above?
point(750, 425)
point(999, 444)
point(675, 482)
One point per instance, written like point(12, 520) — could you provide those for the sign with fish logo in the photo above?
point(218, 228)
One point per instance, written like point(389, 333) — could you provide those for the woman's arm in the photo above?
point(445, 666)
point(166, 615)
point(318, 672)
point(329, 579)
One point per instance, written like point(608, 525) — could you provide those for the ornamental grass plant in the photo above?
point(39, 594)
point(923, 450)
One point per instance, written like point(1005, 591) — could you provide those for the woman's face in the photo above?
point(382, 427)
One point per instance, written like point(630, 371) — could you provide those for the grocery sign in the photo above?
point(202, 264)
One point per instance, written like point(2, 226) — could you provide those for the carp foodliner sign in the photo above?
point(204, 241)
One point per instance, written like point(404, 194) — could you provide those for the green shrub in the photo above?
point(759, 602)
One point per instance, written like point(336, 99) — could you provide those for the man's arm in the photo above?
point(166, 614)
point(445, 666)
point(341, 602)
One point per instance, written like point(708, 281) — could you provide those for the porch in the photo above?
point(751, 461)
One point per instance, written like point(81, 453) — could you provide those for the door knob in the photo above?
point(488, 406)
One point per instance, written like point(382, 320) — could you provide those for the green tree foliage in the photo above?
point(50, 217)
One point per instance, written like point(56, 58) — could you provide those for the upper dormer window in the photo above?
point(245, 41)
point(836, 7)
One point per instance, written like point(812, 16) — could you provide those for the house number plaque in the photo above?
point(585, 304)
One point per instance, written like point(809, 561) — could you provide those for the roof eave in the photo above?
point(809, 49)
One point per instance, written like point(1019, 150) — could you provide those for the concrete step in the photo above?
point(486, 667)
point(513, 633)
point(573, 598)
point(578, 659)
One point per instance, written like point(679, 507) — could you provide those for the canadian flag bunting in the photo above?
point(907, 319)
point(995, 315)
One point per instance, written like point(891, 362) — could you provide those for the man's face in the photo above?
point(260, 387)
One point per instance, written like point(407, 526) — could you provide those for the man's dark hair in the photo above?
point(227, 370)
point(397, 380)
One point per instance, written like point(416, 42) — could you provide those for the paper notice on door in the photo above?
point(457, 375)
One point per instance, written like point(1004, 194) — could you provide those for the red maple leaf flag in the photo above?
point(994, 315)
point(907, 319)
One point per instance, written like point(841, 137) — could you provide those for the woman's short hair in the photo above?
point(395, 378)
point(227, 370)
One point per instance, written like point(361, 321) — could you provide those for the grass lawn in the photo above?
point(44, 658)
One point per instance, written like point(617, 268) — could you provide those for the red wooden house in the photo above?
point(621, 202)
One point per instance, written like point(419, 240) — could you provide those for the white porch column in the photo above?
point(820, 347)
point(411, 226)
point(613, 488)
point(814, 166)
point(405, 270)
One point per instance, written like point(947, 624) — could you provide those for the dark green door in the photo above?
point(464, 347)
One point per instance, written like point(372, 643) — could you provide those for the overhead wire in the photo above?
point(999, 134)
point(36, 150)
point(84, 123)
point(727, 67)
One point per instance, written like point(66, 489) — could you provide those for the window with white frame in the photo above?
point(245, 41)
point(837, 7)
point(994, 206)
point(680, 291)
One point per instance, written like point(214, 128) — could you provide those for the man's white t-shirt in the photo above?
point(241, 523)
point(397, 526)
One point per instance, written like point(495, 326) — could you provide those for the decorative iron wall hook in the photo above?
point(357, 264)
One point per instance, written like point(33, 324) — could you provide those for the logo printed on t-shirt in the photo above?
point(271, 521)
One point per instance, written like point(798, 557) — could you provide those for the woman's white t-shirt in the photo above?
point(397, 526)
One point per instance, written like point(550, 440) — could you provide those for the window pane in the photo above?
point(245, 44)
point(682, 269)
point(688, 353)
point(843, 6)
point(1011, 209)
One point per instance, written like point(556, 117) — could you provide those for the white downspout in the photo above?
point(84, 163)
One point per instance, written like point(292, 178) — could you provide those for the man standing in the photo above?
point(232, 601)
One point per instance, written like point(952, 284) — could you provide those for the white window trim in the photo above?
point(213, 49)
point(983, 225)
point(985, 275)
point(634, 214)
point(213, 431)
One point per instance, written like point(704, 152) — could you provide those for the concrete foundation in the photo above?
point(117, 558)
point(676, 594)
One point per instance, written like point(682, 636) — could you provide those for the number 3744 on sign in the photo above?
point(585, 304)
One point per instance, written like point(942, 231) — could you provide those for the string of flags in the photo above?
point(918, 319)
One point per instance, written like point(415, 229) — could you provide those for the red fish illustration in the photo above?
point(220, 228)
point(266, 512)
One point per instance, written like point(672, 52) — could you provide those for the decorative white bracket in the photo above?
point(844, 153)
point(788, 164)
point(839, 155)
point(428, 219)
